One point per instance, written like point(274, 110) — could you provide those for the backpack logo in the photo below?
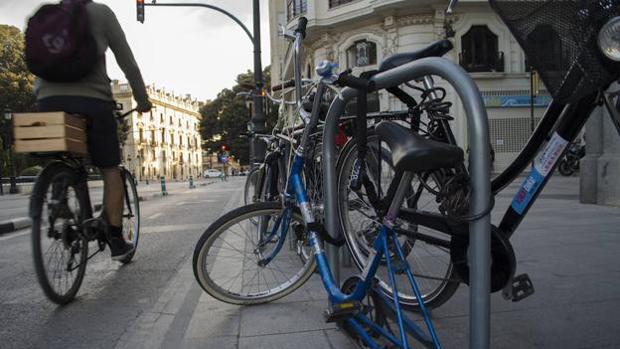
point(55, 43)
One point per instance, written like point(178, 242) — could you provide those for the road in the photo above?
point(112, 297)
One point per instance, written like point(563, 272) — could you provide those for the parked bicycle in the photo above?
point(64, 223)
point(256, 253)
point(570, 161)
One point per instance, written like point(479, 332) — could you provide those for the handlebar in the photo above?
point(286, 84)
point(345, 79)
point(120, 116)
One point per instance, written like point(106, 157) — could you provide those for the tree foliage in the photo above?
point(227, 117)
point(15, 80)
point(16, 92)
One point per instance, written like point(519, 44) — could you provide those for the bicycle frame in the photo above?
point(296, 196)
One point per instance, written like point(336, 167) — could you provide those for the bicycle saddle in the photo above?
point(434, 49)
point(412, 152)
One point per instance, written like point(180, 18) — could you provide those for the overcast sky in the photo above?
point(185, 50)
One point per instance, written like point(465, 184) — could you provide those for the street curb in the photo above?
point(14, 224)
point(25, 222)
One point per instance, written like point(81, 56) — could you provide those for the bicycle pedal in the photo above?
point(341, 311)
point(520, 288)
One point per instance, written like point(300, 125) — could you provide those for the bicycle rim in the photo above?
point(131, 214)
point(60, 250)
point(225, 258)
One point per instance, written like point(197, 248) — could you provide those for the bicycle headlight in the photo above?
point(609, 39)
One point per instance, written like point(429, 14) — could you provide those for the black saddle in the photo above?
point(435, 49)
point(412, 152)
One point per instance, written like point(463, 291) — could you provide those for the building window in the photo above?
point(334, 3)
point(479, 51)
point(295, 8)
point(361, 54)
point(161, 118)
point(545, 39)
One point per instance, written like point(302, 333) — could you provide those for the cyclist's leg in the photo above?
point(113, 195)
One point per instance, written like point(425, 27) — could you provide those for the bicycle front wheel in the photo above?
point(131, 213)
point(60, 250)
point(229, 257)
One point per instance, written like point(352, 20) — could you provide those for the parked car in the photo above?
point(212, 173)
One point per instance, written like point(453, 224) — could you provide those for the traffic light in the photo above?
point(224, 148)
point(140, 10)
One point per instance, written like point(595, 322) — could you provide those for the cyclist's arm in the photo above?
point(124, 57)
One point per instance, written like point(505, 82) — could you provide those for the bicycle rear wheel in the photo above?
point(131, 213)
point(60, 250)
point(226, 258)
point(360, 223)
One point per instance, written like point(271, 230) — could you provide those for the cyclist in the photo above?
point(91, 95)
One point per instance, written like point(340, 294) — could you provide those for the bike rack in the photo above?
point(480, 179)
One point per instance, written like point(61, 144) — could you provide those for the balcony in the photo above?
point(493, 63)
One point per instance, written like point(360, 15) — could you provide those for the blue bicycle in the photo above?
point(261, 252)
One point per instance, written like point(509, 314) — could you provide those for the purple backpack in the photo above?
point(59, 44)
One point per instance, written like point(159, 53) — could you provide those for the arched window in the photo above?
point(480, 51)
point(361, 54)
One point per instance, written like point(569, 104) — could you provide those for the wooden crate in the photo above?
point(49, 132)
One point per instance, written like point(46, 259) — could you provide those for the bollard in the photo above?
point(163, 186)
point(191, 182)
point(13, 186)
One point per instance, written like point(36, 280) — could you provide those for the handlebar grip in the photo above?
point(356, 83)
point(286, 84)
point(301, 26)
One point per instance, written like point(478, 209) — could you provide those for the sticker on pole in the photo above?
point(543, 165)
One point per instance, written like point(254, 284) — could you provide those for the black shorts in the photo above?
point(103, 143)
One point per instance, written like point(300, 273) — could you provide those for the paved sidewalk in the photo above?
point(569, 250)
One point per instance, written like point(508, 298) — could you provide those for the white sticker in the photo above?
point(554, 149)
point(499, 142)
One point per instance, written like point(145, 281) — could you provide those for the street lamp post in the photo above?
point(257, 148)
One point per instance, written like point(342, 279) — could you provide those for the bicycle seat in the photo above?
point(412, 152)
point(434, 49)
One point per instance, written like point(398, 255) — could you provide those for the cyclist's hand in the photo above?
point(143, 108)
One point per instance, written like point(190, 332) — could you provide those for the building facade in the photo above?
point(359, 34)
point(165, 141)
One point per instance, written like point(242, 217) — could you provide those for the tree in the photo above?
point(15, 80)
point(226, 117)
point(16, 92)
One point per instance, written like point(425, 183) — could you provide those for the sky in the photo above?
point(186, 50)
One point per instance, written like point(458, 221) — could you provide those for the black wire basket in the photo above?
point(559, 38)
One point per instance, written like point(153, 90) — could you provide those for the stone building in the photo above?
point(165, 141)
point(359, 34)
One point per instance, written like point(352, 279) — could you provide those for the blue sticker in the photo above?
point(527, 191)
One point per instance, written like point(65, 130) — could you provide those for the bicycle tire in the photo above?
point(39, 205)
point(565, 168)
point(433, 298)
point(131, 218)
point(249, 190)
point(203, 268)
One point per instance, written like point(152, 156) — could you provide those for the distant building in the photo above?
point(359, 34)
point(165, 141)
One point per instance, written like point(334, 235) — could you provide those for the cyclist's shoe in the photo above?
point(119, 248)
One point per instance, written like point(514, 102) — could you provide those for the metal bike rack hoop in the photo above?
point(479, 170)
